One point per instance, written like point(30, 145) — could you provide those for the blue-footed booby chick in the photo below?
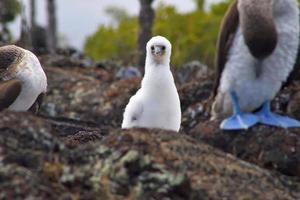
point(156, 104)
point(23, 81)
point(257, 50)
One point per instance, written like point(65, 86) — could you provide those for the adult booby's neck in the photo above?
point(30, 73)
point(33, 80)
point(258, 27)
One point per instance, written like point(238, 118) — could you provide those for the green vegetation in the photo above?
point(116, 41)
point(9, 9)
point(193, 35)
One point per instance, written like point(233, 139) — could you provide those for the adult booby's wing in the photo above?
point(9, 91)
point(228, 29)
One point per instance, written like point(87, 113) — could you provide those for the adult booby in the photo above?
point(23, 81)
point(156, 104)
point(257, 50)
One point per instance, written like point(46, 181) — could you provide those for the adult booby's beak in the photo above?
point(258, 27)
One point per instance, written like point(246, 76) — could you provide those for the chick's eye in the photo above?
point(152, 48)
point(163, 48)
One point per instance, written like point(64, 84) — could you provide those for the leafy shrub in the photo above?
point(193, 35)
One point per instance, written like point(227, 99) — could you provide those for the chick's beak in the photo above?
point(158, 51)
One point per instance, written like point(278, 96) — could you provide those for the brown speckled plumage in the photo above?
point(10, 55)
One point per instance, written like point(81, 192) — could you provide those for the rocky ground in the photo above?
point(75, 149)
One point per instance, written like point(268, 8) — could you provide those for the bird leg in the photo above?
point(238, 120)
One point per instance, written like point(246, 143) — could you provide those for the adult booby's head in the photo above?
point(10, 58)
point(258, 27)
point(23, 79)
point(158, 50)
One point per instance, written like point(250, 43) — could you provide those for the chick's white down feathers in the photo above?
point(156, 104)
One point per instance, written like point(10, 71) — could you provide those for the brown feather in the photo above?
point(258, 27)
point(9, 91)
point(228, 29)
point(10, 55)
point(37, 104)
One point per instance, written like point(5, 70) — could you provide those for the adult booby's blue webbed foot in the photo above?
point(268, 118)
point(238, 120)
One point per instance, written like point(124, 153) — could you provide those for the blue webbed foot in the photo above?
point(239, 120)
point(268, 118)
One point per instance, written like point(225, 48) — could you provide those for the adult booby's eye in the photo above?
point(152, 48)
point(163, 48)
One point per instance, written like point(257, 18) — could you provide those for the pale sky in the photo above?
point(78, 19)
